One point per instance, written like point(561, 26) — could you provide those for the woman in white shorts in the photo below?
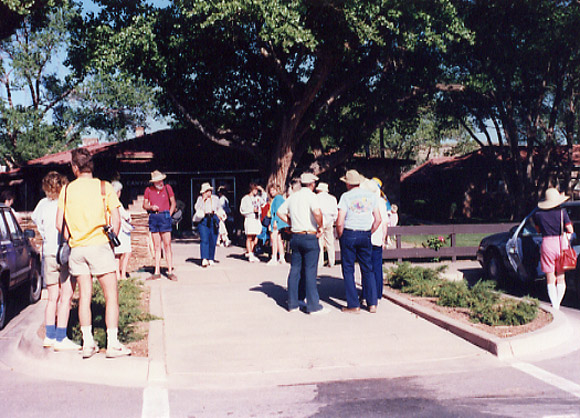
point(59, 284)
point(123, 251)
point(250, 208)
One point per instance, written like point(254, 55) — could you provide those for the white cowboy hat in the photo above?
point(371, 186)
point(307, 178)
point(157, 176)
point(322, 187)
point(352, 177)
point(553, 198)
point(205, 187)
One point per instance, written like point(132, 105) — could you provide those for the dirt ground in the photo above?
point(141, 348)
point(462, 314)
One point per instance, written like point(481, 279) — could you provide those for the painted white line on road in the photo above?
point(549, 378)
point(156, 395)
point(155, 402)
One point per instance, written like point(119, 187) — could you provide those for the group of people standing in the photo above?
point(80, 223)
point(88, 216)
point(361, 226)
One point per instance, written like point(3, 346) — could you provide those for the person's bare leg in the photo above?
point(67, 291)
point(124, 263)
point(109, 285)
point(85, 283)
point(156, 237)
point(166, 238)
point(274, 243)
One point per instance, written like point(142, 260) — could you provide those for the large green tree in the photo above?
point(301, 83)
point(43, 108)
point(521, 75)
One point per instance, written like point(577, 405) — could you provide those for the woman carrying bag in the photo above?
point(556, 228)
point(208, 211)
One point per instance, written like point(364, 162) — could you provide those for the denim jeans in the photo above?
point(377, 261)
point(208, 238)
point(356, 246)
point(304, 262)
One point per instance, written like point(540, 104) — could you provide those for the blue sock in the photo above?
point(60, 334)
point(50, 331)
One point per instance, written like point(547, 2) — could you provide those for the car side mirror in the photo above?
point(29, 233)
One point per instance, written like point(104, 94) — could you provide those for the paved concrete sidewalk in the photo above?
point(227, 326)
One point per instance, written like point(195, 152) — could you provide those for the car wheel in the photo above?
point(494, 269)
point(3, 305)
point(35, 283)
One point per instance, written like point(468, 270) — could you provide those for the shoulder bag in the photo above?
point(568, 257)
point(113, 239)
point(63, 251)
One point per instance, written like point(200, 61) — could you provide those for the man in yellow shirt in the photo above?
point(83, 212)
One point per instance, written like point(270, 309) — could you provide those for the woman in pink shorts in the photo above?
point(549, 220)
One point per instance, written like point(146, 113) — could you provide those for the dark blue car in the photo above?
point(19, 262)
point(513, 257)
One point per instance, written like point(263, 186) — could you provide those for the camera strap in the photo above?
point(104, 195)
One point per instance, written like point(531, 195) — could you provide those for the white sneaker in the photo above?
point(227, 243)
point(66, 345)
point(204, 263)
point(48, 342)
point(89, 350)
point(211, 262)
point(272, 262)
point(254, 259)
point(118, 351)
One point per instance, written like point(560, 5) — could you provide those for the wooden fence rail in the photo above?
point(399, 252)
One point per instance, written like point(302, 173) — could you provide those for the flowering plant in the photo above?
point(435, 242)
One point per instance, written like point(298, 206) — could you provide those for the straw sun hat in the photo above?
point(205, 187)
point(308, 178)
point(157, 176)
point(322, 187)
point(553, 199)
point(353, 178)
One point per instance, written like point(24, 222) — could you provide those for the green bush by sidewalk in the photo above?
point(130, 313)
point(486, 305)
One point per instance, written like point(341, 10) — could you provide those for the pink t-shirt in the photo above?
point(159, 197)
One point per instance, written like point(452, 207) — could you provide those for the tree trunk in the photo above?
point(283, 155)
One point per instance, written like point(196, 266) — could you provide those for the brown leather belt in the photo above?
point(305, 233)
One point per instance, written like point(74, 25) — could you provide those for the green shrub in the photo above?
point(454, 294)
point(485, 303)
point(130, 313)
point(415, 280)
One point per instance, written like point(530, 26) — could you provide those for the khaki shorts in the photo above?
point(52, 272)
point(95, 260)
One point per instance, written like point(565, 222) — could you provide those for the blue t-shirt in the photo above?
point(274, 206)
point(549, 221)
point(358, 204)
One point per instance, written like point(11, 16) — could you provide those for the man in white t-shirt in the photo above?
point(302, 212)
point(358, 218)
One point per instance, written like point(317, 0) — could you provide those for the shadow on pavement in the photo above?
point(17, 302)
point(273, 291)
point(329, 289)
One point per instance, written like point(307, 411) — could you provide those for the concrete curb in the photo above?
point(550, 336)
point(26, 354)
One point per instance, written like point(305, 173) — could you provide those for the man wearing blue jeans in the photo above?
point(358, 218)
point(302, 212)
